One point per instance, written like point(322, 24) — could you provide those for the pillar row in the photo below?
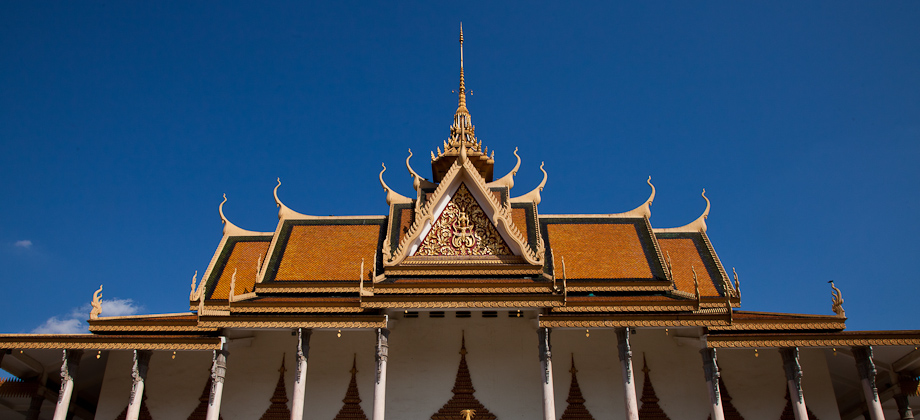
point(794, 381)
point(712, 375)
point(546, 373)
point(380, 384)
point(71, 361)
point(218, 373)
point(867, 372)
point(629, 381)
point(139, 377)
point(300, 379)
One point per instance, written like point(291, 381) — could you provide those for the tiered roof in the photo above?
point(465, 240)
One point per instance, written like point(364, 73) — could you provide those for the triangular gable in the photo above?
point(463, 174)
point(463, 229)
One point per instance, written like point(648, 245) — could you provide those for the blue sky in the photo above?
point(123, 123)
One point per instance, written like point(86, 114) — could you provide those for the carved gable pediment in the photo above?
point(463, 224)
point(463, 229)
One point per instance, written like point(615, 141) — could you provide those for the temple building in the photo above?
point(464, 302)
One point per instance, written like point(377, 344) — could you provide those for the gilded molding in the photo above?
point(460, 271)
point(294, 309)
point(631, 288)
point(758, 326)
point(595, 323)
point(726, 283)
point(621, 307)
point(91, 342)
point(149, 328)
point(230, 323)
point(457, 290)
point(734, 342)
point(462, 304)
point(306, 289)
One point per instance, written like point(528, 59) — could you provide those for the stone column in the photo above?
point(71, 361)
point(218, 373)
point(35, 406)
point(139, 376)
point(904, 410)
point(380, 384)
point(546, 364)
point(629, 381)
point(300, 380)
point(711, 372)
point(794, 381)
point(866, 368)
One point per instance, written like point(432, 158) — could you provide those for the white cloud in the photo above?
point(75, 322)
point(25, 243)
point(119, 307)
point(55, 325)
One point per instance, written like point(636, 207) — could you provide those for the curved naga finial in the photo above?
point(229, 228)
point(417, 180)
point(645, 210)
point(392, 196)
point(508, 180)
point(837, 301)
point(97, 304)
point(534, 195)
point(698, 225)
point(191, 296)
point(285, 212)
point(737, 283)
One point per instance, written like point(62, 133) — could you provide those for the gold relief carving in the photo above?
point(463, 229)
point(719, 342)
point(463, 272)
point(109, 328)
point(295, 309)
point(296, 324)
point(96, 344)
point(629, 323)
point(307, 289)
point(780, 326)
point(476, 304)
point(626, 308)
point(457, 290)
point(618, 288)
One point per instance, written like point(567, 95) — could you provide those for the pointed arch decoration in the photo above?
point(201, 411)
point(351, 410)
point(278, 410)
point(650, 410)
point(576, 410)
point(463, 398)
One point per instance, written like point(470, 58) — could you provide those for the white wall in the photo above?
point(503, 362)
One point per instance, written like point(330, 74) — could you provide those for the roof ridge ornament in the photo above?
point(393, 197)
point(698, 225)
point(96, 303)
point(417, 180)
point(191, 295)
point(229, 228)
point(508, 180)
point(534, 195)
point(285, 212)
point(837, 301)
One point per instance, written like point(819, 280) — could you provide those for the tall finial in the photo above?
point(462, 101)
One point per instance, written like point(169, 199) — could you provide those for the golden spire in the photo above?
point(462, 142)
point(462, 102)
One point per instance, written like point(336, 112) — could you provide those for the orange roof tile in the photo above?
point(406, 217)
point(244, 259)
point(686, 257)
point(599, 251)
point(519, 218)
point(328, 252)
